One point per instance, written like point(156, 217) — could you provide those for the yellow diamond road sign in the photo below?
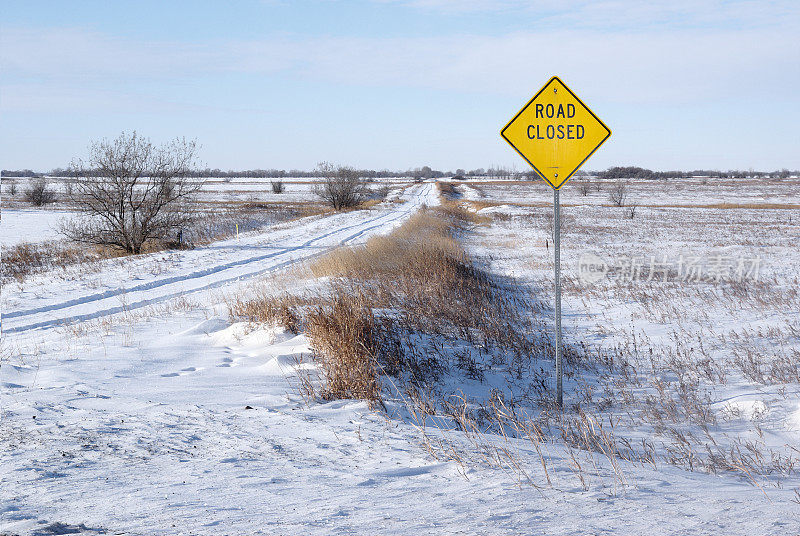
point(555, 132)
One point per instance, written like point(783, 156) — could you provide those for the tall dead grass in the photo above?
point(271, 310)
point(421, 273)
point(347, 342)
point(447, 189)
point(423, 246)
point(26, 259)
point(394, 301)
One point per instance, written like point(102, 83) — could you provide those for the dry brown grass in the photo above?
point(26, 259)
point(460, 211)
point(344, 335)
point(346, 338)
point(422, 270)
point(422, 275)
point(669, 388)
point(369, 203)
point(419, 272)
point(427, 291)
point(270, 310)
point(422, 245)
point(447, 189)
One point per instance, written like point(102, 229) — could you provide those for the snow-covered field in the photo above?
point(130, 404)
point(257, 190)
point(30, 225)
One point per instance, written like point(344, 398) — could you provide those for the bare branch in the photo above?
point(131, 191)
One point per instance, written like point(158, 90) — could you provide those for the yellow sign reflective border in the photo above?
point(555, 132)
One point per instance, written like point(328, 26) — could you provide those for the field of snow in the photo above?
point(714, 326)
point(30, 225)
point(296, 190)
point(130, 404)
point(215, 190)
point(691, 192)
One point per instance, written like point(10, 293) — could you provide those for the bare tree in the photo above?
point(39, 193)
point(343, 187)
point(131, 192)
point(618, 194)
point(630, 211)
point(277, 187)
point(584, 187)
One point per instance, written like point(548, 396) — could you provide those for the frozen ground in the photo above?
point(129, 284)
point(153, 437)
point(124, 399)
point(743, 331)
point(216, 191)
point(691, 192)
point(29, 225)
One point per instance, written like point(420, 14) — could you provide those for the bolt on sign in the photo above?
point(555, 133)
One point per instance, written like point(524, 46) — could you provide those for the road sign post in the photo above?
point(557, 274)
point(555, 132)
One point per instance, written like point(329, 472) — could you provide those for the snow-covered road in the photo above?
point(127, 285)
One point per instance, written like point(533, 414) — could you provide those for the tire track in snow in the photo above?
point(201, 276)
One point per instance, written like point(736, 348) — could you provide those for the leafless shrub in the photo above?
point(584, 187)
point(618, 193)
point(39, 193)
point(343, 188)
point(131, 192)
point(378, 194)
point(630, 211)
point(278, 187)
point(12, 187)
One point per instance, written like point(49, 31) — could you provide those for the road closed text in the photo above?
point(555, 132)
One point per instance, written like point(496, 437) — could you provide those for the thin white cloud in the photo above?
point(624, 14)
point(655, 67)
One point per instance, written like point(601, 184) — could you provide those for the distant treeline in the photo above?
point(426, 172)
point(20, 173)
point(632, 172)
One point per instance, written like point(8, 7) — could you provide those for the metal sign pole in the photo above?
point(555, 132)
point(557, 249)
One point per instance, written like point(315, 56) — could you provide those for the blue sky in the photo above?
point(399, 84)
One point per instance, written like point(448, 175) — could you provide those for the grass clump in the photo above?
point(420, 289)
point(345, 338)
point(271, 310)
point(26, 259)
